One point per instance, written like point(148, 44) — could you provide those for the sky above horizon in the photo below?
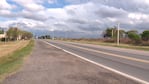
point(74, 18)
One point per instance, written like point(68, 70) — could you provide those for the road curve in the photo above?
point(131, 62)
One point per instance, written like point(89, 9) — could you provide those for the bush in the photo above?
point(134, 37)
point(145, 35)
point(109, 40)
point(145, 43)
point(125, 40)
point(2, 39)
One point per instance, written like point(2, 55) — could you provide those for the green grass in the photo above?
point(129, 46)
point(12, 62)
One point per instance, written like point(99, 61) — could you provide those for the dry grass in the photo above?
point(9, 47)
point(9, 63)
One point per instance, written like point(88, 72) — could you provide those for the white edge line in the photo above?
point(101, 65)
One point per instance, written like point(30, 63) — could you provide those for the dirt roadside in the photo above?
point(48, 65)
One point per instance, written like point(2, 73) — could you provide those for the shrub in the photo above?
point(145, 35)
point(134, 37)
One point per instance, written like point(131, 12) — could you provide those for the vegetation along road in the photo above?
point(12, 56)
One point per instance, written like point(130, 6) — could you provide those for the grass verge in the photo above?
point(128, 46)
point(7, 48)
point(12, 62)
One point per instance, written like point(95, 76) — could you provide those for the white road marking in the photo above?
point(111, 54)
point(101, 65)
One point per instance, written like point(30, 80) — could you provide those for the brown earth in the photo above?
point(48, 65)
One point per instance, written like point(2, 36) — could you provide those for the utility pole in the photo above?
point(118, 37)
point(53, 34)
point(17, 30)
point(5, 35)
point(112, 33)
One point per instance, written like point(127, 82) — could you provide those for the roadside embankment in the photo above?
point(12, 55)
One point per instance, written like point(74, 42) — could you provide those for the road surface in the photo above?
point(49, 65)
point(130, 63)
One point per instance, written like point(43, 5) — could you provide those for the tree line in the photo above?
point(131, 36)
point(44, 37)
point(14, 33)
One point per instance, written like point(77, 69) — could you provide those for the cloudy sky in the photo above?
point(74, 18)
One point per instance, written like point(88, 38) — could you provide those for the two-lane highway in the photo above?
point(132, 64)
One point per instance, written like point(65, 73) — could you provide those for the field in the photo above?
point(12, 55)
point(9, 47)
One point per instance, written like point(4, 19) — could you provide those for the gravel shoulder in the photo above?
point(49, 65)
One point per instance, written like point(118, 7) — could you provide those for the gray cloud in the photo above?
point(81, 17)
point(71, 12)
point(128, 5)
point(78, 21)
point(76, 1)
point(106, 11)
point(35, 17)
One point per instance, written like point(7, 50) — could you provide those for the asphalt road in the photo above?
point(49, 65)
point(133, 63)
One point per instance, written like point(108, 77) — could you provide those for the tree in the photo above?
point(112, 33)
point(145, 35)
point(45, 37)
point(132, 31)
point(134, 37)
point(13, 33)
point(1, 31)
point(108, 33)
point(26, 35)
